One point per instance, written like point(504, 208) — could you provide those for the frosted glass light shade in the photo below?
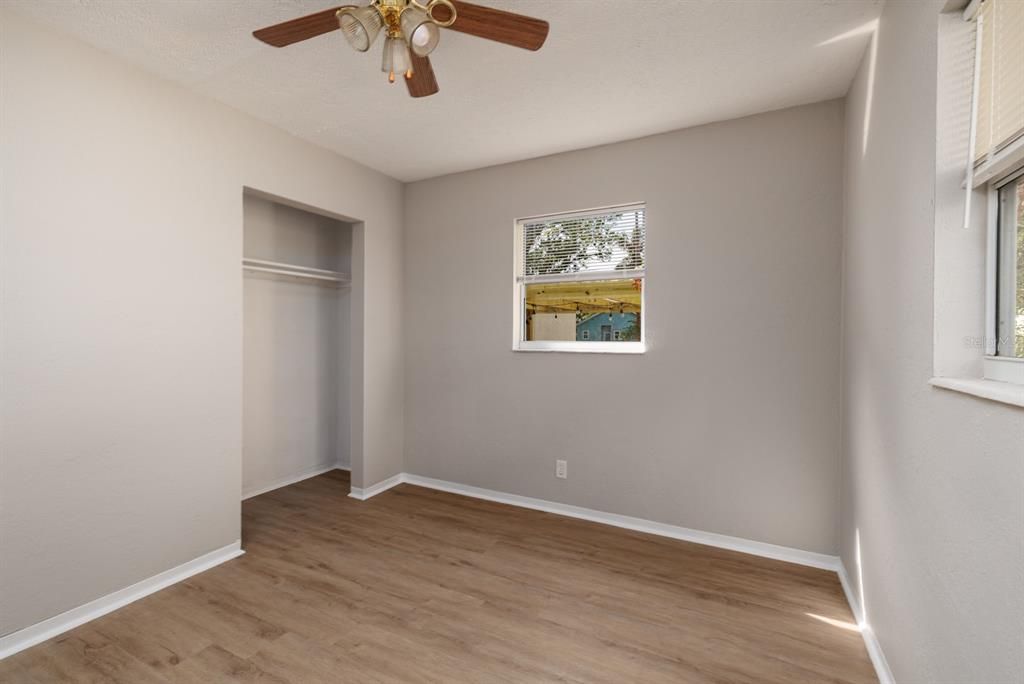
point(396, 57)
point(423, 34)
point(360, 26)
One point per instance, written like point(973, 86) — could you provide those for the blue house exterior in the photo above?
point(602, 327)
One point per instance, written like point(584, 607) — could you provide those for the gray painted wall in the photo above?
point(730, 422)
point(121, 302)
point(296, 368)
point(932, 480)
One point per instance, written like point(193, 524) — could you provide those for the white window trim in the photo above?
point(995, 390)
point(586, 335)
point(576, 347)
point(584, 347)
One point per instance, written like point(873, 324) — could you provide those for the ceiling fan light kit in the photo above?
point(412, 31)
point(421, 29)
point(396, 58)
point(409, 26)
point(360, 26)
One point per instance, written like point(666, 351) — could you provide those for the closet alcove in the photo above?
point(297, 341)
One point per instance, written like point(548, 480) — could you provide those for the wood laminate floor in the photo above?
point(416, 585)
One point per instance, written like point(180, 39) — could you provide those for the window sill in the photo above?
point(993, 390)
point(583, 347)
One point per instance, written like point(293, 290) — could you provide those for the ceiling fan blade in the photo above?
point(505, 27)
point(422, 82)
point(303, 28)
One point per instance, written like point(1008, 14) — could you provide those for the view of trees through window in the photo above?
point(1010, 274)
point(1019, 327)
point(599, 243)
point(600, 300)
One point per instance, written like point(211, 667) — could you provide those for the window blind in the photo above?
point(1000, 114)
point(597, 245)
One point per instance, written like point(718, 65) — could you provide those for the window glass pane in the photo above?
point(1010, 288)
point(1019, 294)
point(584, 311)
point(605, 242)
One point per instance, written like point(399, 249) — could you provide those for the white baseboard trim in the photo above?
point(374, 490)
point(870, 640)
point(58, 624)
point(783, 553)
point(291, 480)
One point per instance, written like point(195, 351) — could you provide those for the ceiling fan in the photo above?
point(412, 30)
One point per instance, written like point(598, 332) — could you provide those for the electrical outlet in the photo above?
point(561, 469)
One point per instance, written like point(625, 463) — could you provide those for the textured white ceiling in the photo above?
point(611, 70)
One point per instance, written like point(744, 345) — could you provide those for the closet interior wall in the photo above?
point(296, 347)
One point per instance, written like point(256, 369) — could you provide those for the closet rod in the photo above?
point(292, 270)
point(290, 267)
point(297, 274)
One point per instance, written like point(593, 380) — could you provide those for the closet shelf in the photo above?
point(278, 268)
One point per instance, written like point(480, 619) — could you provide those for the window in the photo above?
point(580, 280)
point(996, 161)
point(1010, 268)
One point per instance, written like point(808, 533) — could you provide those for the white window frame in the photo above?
point(976, 370)
point(585, 334)
point(1000, 368)
point(519, 344)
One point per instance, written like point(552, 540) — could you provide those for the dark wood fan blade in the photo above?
point(422, 82)
point(303, 28)
point(504, 27)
